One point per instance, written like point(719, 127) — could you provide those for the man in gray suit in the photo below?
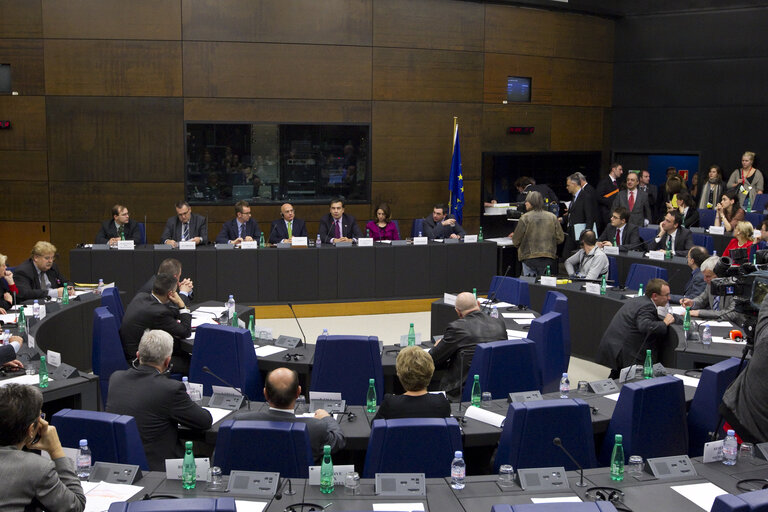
point(185, 226)
point(634, 200)
point(281, 390)
point(713, 307)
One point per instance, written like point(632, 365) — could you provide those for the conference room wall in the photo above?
point(106, 86)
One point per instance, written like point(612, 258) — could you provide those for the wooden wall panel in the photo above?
point(20, 18)
point(497, 118)
point(277, 111)
point(343, 22)
point(112, 19)
point(430, 24)
point(584, 37)
point(26, 59)
point(24, 236)
point(577, 129)
point(24, 200)
point(65, 236)
point(427, 75)
point(116, 139)
point(499, 66)
point(522, 31)
point(581, 83)
point(255, 70)
point(27, 116)
point(113, 68)
point(24, 165)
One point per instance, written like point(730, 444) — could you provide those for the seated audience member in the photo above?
point(695, 285)
point(240, 229)
point(728, 212)
point(414, 369)
point(158, 403)
point(536, 237)
point(762, 242)
point(589, 262)
point(119, 227)
point(461, 336)
point(171, 266)
point(743, 233)
point(185, 226)
point(713, 189)
point(687, 208)
point(287, 226)
point(619, 232)
point(8, 353)
point(337, 226)
point(706, 305)
point(383, 228)
point(281, 390)
point(8, 288)
point(672, 236)
point(29, 480)
point(39, 276)
point(441, 225)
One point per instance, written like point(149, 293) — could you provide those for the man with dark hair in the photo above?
point(635, 328)
point(652, 191)
point(635, 201)
point(119, 227)
point(171, 266)
point(241, 228)
point(154, 311)
point(441, 225)
point(281, 389)
point(287, 226)
point(589, 262)
point(337, 226)
point(619, 232)
point(697, 255)
point(672, 235)
point(607, 190)
point(581, 213)
point(185, 226)
point(525, 184)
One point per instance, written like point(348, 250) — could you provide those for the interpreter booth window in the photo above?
point(273, 163)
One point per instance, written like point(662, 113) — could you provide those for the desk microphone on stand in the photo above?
point(297, 323)
point(245, 397)
point(492, 296)
point(559, 443)
point(461, 385)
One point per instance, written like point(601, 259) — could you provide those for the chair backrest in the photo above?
point(647, 234)
point(504, 367)
point(185, 504)
point(344, 364)
point(547, 333)
point(111, 437)
point(229, 353)
point(703, 415)
point(704, 240)
point(143, 231)
point(641, 273)
point(110, 298)
point(613, 270)
point(761, 200)
point(558, 302)
point(589, 506)
point(510, 289)
point(747, 502)
point(530, 427)
point(754, 218)
point(412, 445)
point(418, 226)
point(264, 446)
point(650, 415)
point(107, 354)
point(706, 217)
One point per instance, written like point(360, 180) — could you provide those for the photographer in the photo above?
point(707, 305)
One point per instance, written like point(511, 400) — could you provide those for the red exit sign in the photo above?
point(519, 130)
point(5, 125)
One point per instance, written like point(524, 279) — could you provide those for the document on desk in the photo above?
point(703, 495)
point(9, 318)
point(612, 396)
point(268, 350)
point(517, 316)
point(217, 414)
point(504, 240)
point(679, 310)
point(212, 310)
point(197, 321)
point(27, 380)
point(715, 323)
point(516, 335)
point(558, 499)
point(100, 495)
point(484, 416)
point(688, 381)
point(727, 341)
point(250, 506)
point(398, 507)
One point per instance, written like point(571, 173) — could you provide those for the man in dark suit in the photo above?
point(39, 276)
point(627, 236)
point(287, 226)
point(171, 266)
point(121, 227)
point(159, 404)
point(652, 191)
point(581, 212)
point(337, 226)
point(525, 184)
point(154, 311)
point(281, 390)
point(672, 235)
point(185, 226)
point(241, 228)
point(635, 201)
point(606, 190)
point(635, 328)
point(461, 336)
point(8, 353)
point(696, 284)
point(439, 225)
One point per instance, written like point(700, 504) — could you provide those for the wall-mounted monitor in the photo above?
point(518, 89)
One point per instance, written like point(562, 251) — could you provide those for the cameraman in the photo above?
point(709, 306)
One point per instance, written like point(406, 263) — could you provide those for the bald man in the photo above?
point(287, 226)
point(461, 336)
point(281, 390)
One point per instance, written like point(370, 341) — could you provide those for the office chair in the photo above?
point(185, 504)
point(547, 333)
point(107, 354)
point(510, 289)
point(557, 302)
point(641, 273)
point(703, 415)
point(344, 364)
point(110, 298)
point(504, 367)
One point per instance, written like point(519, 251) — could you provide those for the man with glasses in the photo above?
point(618, 232)
point(39, 276)
point(185, 226)
point(119, 227)
point(240, 229)
point(635, 328)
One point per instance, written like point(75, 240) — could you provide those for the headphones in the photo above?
point(164, 372)
point(604, 494)
point(752, 484)
point(295, 357)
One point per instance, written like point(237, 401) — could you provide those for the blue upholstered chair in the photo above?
point(143, 231)
point(755, 501)
point(504, 367)
point(413, 445)
point(111, 437)
point(703, 415)
point(229, 353)
point(264, 446)
point(557, 302)
point(589, 506)
point(650, 415)
point(704, 240)
point(107, 354)
point(647, 234)
point(706, 217)
point(344, 364)
point(547, 333)
point(526, 438)
point(510, 289)
point(111, 299)
point(754, 218)
point(640, 273)
point(613, 270)
point(418, 226)
point(761, 200)
point(185, 504)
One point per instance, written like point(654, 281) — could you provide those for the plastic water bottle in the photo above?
point(261, 239)
point(640, 290)
point(22, 321)
point(411, 336)
point(730, 449)
point(6, 337)
point(370, 398)
point(185, 381)
point(65, 294)
point(706, 335)
point(230, 307)
point(617, 459)
point(458, 470)
point(318, 242)
point(420, 234)
point(325, 332)
point(494, 312)
point(477, 394)
point(100, 287)
point(648, 365)
point(43, 373)
point(36, 309)
point(474, 292)
point(480, 237)
point(84, 461)
point(326, 471)
point(603, 286)
point(188, 468)
point(565, 386)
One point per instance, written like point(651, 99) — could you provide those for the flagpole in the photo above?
point(453, 148)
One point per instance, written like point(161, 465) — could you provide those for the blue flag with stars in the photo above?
point(456, 180)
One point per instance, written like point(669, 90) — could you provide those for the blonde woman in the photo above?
point(743, 237)
point(748, 180)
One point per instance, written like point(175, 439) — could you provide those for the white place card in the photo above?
point(757, 234)
point(420, 240)
point(687, 381)
point(656, 255)
point(339, 474)
point(716, 230)
point(560, 499)
point(516, 335)
point(299, 241)
point(253, 244)
point(189, 245)
point(268, 350)
point(485, 416)
point(173, 468)
point(470, 239)
point(593, 288)
point(54, 358)
point(398, 507)
point(713, 451)
point(365, 242)
point(548, 281)
point(125, 245)
point(449, 299)
point(520, 314)
point(250, 506)
point(611, 250)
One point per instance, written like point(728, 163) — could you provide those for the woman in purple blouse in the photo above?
point(383, 228)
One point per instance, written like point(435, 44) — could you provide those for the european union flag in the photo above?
point(456, 180)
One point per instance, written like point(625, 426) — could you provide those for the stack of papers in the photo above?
point(100, 495)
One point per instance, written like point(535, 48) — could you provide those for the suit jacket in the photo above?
point(582, 211)
point(640, 212)
point(147, 288)
point(108, 230)
point(349, 228)
point(630, 237)
point(198, 226)
point(683, 242)
point(606, 192)
point(633, 329)
point(278, 232)
point(461, 336)
point(229, 231)
point(31, 482)
point(146, 312)
point(691, 219)
point(3, 289)
point(434, 230)
point(7, 354)
point(704, 302)
point(653, 198)
point(159, 405)
point(28, 282)
point(321, 432)
point(693, 288)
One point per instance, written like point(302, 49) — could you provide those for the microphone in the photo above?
point(559, 443)
point(281, 491)
point(461, 385)
point(245, 397)
point(492, 296)
point(297, 323)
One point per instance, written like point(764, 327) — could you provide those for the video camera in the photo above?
point(746, 283)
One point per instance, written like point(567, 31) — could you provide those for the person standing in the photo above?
point(748, 180)
point(536, 237)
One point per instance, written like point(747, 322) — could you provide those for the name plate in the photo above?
point(253, 244)
point(125, 245)
point(470, 239)
point(611, 250)
point(550, 281)
point(420, 240)
point(365, 242)
point(593, 288)
point(628, 373)
point(339, 474)
point(173, 468)
point(713, 451)
point(656, 255)
point(299, 241)
point(716, 230)
point(54, 358)
point(189, 245)
point(342, 244)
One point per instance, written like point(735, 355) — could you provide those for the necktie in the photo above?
point(669, 242)
point(631, 200)
point(618, 237)
point(242, 230)
point(337, 230)
point(290, 229)
point(184, 232)
point(716, 303)
point(121, 232)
